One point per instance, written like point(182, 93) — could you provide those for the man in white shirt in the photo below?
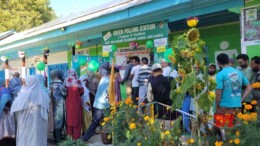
point(134, 76)
point(167, 70)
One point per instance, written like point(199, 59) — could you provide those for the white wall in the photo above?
point(53, 58)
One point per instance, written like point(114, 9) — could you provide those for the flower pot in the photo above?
point(105, 138)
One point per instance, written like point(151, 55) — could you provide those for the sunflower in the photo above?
point(193, 35)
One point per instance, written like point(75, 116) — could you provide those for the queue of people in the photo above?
point(79, 103)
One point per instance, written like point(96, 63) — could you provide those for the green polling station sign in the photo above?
point(142, 32)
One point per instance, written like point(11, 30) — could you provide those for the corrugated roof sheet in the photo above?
point(104, 9)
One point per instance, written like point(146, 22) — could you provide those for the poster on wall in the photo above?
point(123, 53)
point(251, 23)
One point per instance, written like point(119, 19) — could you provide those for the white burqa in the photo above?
point(30, 108)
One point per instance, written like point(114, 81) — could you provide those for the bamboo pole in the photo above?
point(7, 73)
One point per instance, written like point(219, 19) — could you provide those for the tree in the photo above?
point(20, 15)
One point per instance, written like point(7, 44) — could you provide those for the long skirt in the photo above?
point(31, 127)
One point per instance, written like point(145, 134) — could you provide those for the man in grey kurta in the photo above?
point(242, 60)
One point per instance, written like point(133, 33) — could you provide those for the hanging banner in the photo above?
point(142, 32)
point(84, 51)
point(251, 23)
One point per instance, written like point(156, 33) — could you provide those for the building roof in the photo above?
point(104, 9)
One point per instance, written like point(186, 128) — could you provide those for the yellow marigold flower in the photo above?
point(178, 90)
point(240, 115)
point(248, 106)
point(151, 121)
point(191, 141)
point(238, 133)
point(132, 126)
point(254, 102)
point(211, 94)
point(218, 143)
point(106, 119)
point(103, 123)
point(168, 108)
point(244, 103)
point(109, 136)
point(146, 118)
point(230, 141)
point(167, 132)
point(237, 141)
point(138, 144)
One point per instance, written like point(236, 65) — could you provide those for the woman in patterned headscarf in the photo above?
point(73, 104)
point(58, 94)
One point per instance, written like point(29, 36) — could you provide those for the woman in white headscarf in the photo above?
point(30, 108)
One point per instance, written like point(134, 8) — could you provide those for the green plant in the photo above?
point(128, 127)
point(70, 142)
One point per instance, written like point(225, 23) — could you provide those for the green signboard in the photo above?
point(142, 32)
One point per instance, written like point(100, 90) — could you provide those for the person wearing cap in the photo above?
point(212, 70)
point(167, 70)
point(159, 90)
point(243, 62)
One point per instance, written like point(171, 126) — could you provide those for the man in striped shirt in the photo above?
point(144, 73)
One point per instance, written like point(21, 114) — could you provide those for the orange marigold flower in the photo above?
point(106, 119)
point(128, 101)
point(254, 102)
point(237, 141)
point(218, 143)
point(248, 106)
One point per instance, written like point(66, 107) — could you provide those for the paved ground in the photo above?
point(94, 141)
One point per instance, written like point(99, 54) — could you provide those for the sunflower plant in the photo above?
point(189, 51)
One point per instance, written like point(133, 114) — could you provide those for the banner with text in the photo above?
point(142, 32)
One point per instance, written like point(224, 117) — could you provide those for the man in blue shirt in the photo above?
point(101, 103)
point(229, 87)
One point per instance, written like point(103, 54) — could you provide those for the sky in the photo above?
point(63, 8)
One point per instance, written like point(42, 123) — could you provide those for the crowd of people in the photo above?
point(29, 110)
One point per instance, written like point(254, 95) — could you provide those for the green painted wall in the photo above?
point(253, 51)
point(226, 36)
point(251, 2)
